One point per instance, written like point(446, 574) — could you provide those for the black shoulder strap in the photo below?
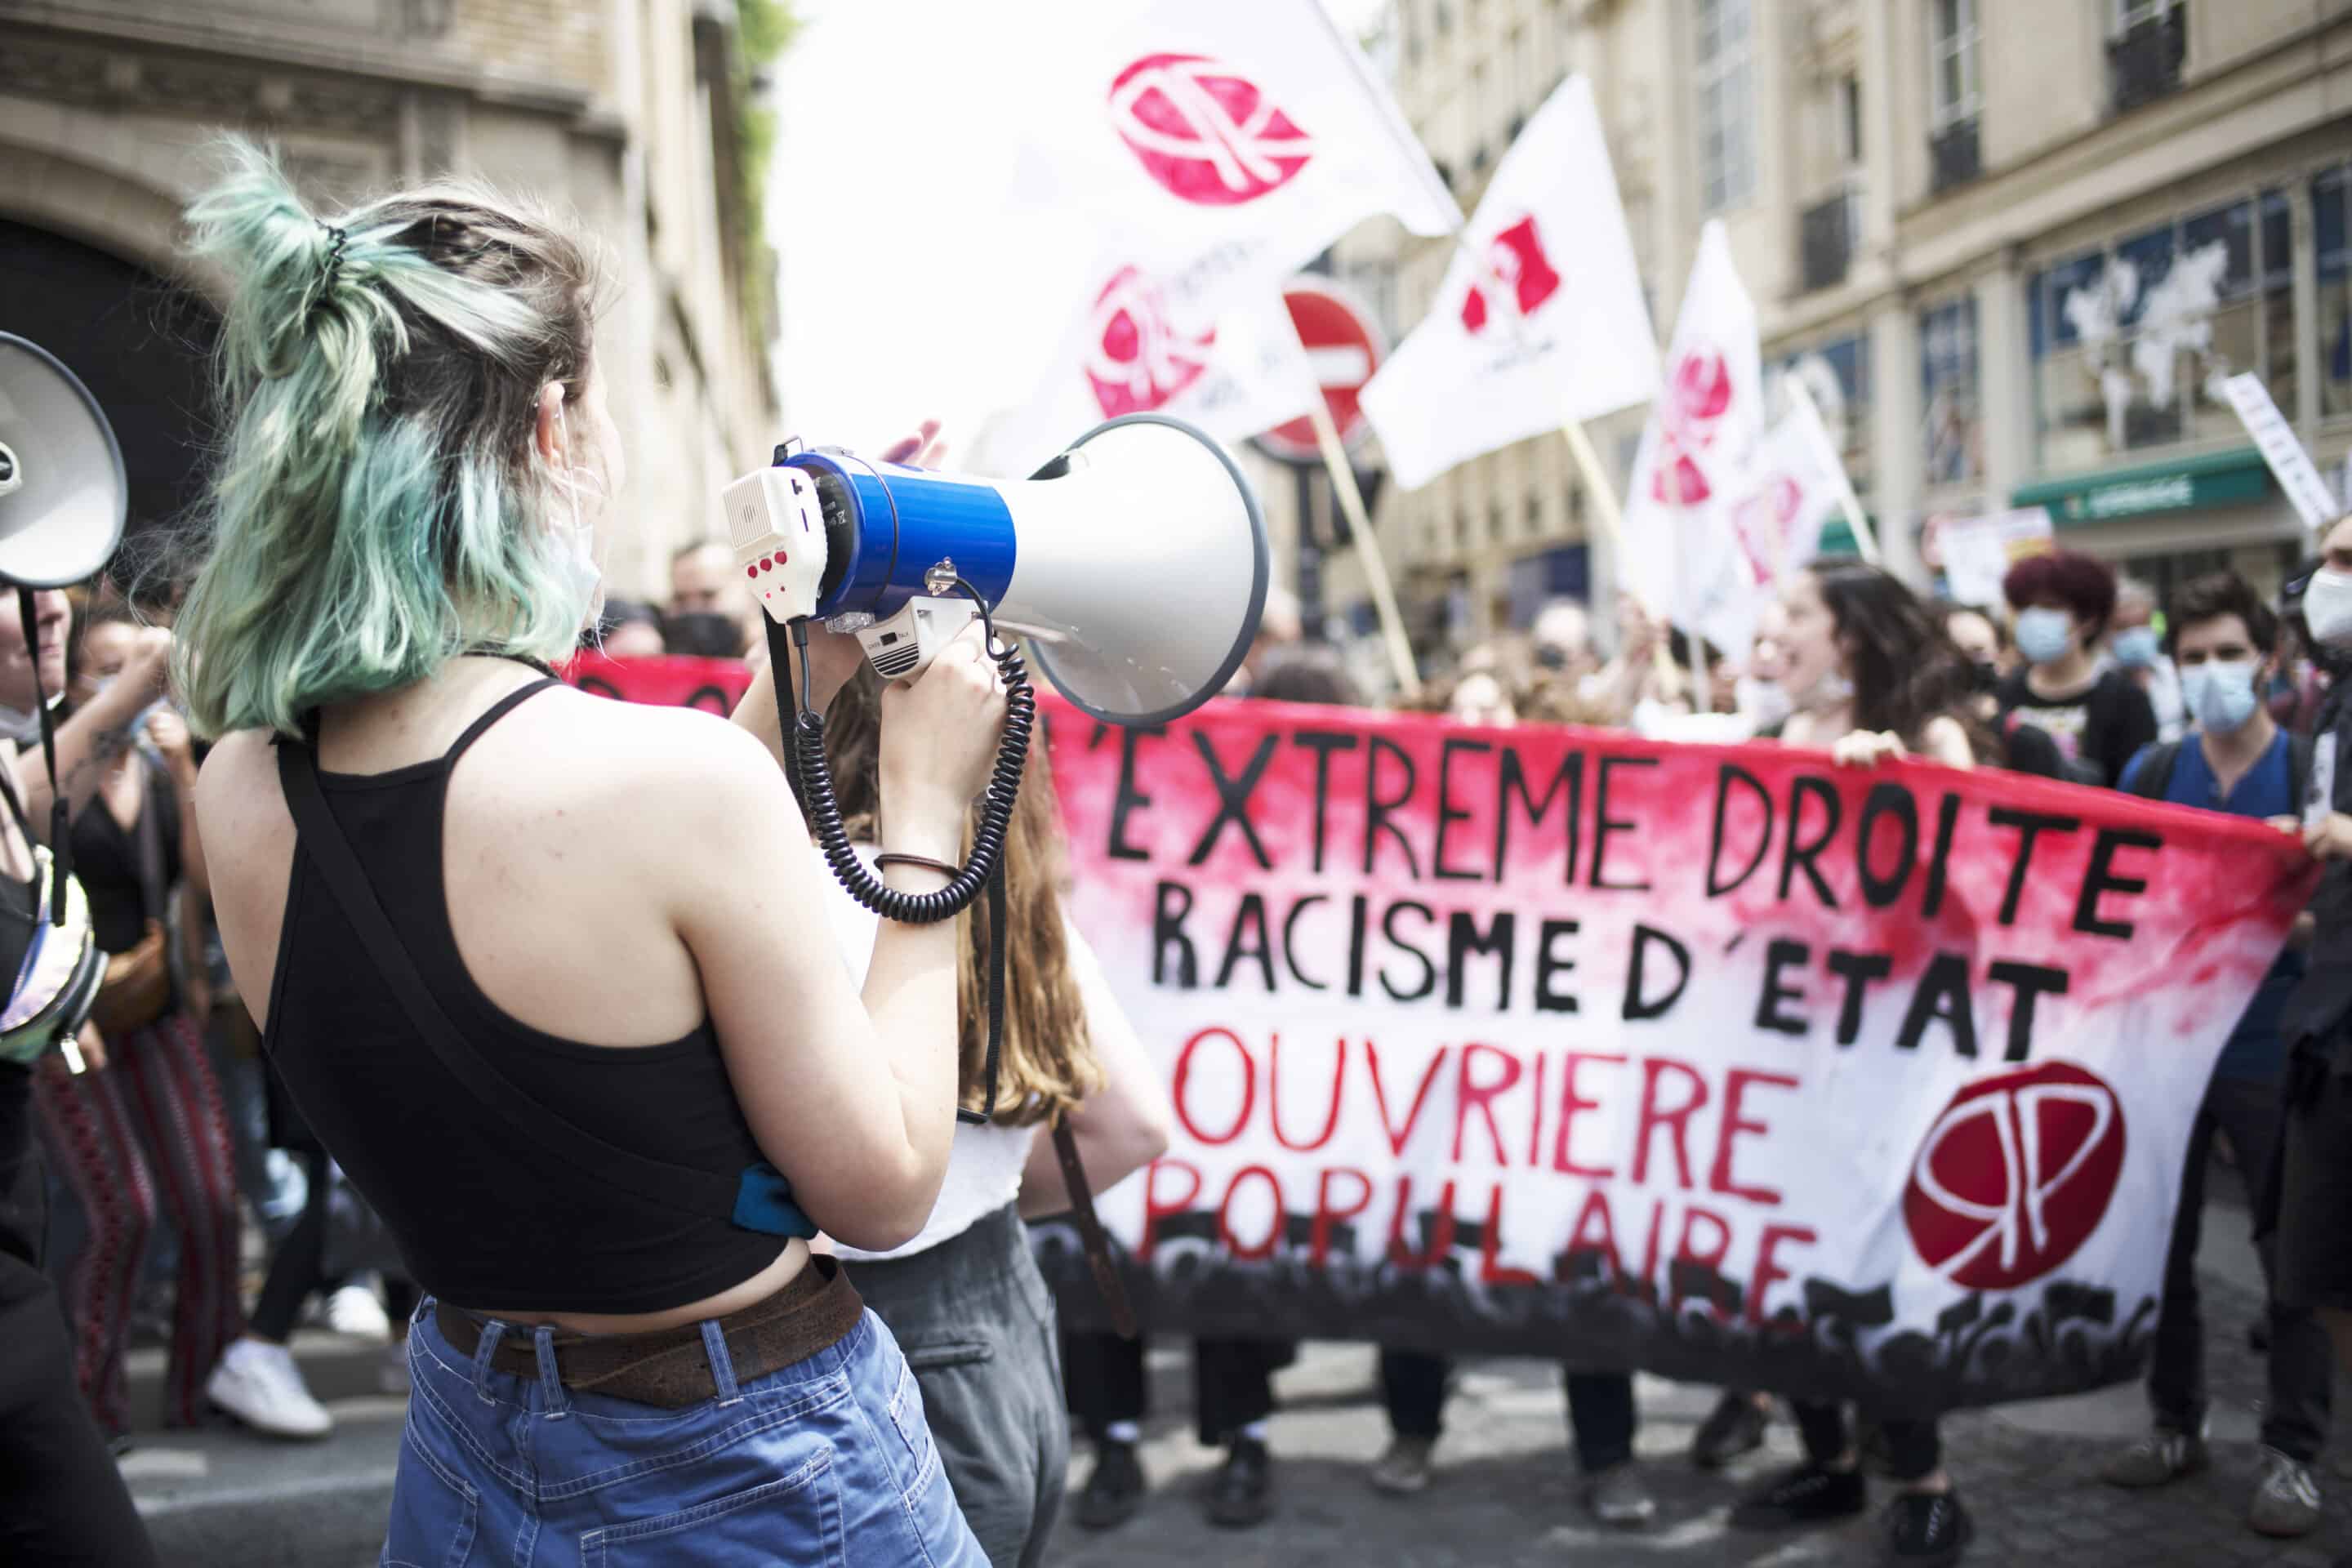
point(2155, 776)
point(2300, 750)
point(321, 837)
point(497, 710)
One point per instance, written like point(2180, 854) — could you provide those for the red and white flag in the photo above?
point(1793, 487)
point(1540, 319)
point(1220, 144)
point(1132, 351)
point(1697, 450)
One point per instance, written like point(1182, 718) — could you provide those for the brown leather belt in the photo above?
point(668, 1368)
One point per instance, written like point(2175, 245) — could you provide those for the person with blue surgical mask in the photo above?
point(2136, 641)
point(2237, 760)
point(2097, 717)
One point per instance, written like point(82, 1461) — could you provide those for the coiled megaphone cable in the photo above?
point(984, 873)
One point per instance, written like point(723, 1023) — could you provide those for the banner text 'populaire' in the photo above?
point(1725, 1062)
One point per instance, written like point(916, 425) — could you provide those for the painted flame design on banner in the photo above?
point(1137, 360)
point(1208, 134)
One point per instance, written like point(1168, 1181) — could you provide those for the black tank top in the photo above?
point(485, 1218)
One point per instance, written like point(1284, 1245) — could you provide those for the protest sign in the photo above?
point(1978, 551)
point(1719, 1061)
point(671, 681)
point(2277, 442)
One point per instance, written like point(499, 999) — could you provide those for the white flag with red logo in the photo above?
point(1790, 491)
point(1223, 143)
point(1541, 320)
point(1134, 351)
point(1696, 452)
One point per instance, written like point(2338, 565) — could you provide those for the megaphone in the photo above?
point(1134, 564)
point(63, 496)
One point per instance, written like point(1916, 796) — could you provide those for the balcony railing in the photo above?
point(1953, 156)
point(1826, 235)
point(2143, 63)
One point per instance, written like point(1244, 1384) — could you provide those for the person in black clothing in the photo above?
point(2312, 1187)
point(2099, 718)
point(1984, 643)
point(61, 1499)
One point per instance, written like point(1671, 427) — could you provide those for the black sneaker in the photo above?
point(1930, 1530)
point(1808, 1494)
point(1241, 1494)
point(1734, 1427)
point(1115, 1489)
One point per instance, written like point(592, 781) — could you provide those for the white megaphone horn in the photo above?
point(1135, 564)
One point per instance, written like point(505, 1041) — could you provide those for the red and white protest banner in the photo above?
point(1539, 320)
point(1720, 1061)
point(673, 680)
point(1343, 347)
point(1697, 450)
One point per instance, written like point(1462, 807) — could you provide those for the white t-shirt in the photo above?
point(984, 1164)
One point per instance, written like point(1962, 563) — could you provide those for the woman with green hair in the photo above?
point(549, 975)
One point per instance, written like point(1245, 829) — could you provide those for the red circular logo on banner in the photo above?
point(2015, 1175)
point(1205, 132)
point(1518, 265)
point(1344, 348)
point(1698, 394)
point(1137, 360)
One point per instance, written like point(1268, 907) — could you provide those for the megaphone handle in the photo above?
point(813, 777)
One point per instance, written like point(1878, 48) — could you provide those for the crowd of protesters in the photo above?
point(2217, 699)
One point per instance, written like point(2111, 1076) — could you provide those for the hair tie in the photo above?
point(335, 241)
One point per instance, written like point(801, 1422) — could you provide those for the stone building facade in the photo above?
point(2012, 246)
point(624, 112)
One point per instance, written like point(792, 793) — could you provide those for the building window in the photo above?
point(1837, 374)
point(1494, 523)
point(1850, 120)
point(2131, 341)
point(1952, 49)
point(1444, 15)
point(1727, 141)
point(2329, 194)
point(2147, 45)
point(1948, 373)
point(1535, 515)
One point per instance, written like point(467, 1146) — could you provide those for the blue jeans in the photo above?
point(825, 1462)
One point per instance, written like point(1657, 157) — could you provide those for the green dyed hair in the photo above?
point(379, 507)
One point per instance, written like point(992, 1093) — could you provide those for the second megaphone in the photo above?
point(1135, 564)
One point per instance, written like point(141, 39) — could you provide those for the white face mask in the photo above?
point(2328, 608)
point(2044, 634)
point(578, 577)
point(2221, 695)
point(1766, 703)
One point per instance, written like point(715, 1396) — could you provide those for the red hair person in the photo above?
point(2098, 716)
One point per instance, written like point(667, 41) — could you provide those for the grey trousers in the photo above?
point(976, 1323)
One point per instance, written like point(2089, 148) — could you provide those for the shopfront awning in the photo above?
point(2234, 477)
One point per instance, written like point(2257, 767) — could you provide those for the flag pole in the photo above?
point(1865, 538)
point(1612, 524)
point(1367, 546)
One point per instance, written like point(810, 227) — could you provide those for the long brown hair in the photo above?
point(1047, 1064)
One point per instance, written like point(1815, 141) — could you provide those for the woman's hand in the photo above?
point(923, 449)
point(2330, 838)
point(149, 664)
point(169, 732)
point(1868, 748)
point(938, 742)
